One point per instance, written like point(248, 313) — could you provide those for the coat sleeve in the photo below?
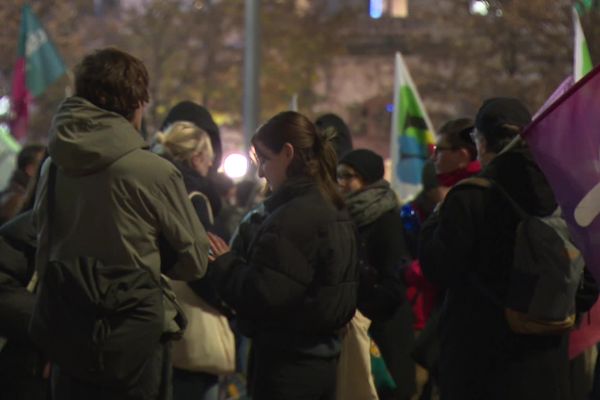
point(387, 253)
point(447, 239)
point(181, 231)
point(265, 286)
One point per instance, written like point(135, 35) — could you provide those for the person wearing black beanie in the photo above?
point(374, 208)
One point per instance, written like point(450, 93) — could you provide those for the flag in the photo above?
point(558, 92)
point(565, 142)
point(412, 136)
point(38, 65)
point(582, 60)
point(9, 148)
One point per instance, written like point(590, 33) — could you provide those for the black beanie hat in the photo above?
point(499, 111)
point(368, 164)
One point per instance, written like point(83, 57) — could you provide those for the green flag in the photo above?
point(43, 63)
point(582, 59)
point(412, 137)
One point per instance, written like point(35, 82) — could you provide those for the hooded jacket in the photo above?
point(114, 200)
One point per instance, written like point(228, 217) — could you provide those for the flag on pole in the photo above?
point(38, 65)
point(565, 142)
point(412, 136)
point(582, 60)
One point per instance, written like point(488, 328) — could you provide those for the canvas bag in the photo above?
point(546, 272)
point(208, 344)
point(354, 378)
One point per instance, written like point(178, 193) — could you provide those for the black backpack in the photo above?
point(547, 270)
point(99, 323)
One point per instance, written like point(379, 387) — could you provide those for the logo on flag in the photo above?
point(412, 137)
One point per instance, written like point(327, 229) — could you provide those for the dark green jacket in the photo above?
point(114, 200)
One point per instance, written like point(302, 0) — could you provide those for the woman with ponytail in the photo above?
point(298, 286)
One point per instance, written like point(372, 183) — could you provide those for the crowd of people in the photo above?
point(134, 269)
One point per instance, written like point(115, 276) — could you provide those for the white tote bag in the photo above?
point(354, 378)
point(208, 344)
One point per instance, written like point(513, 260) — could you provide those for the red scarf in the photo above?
point(450, 179)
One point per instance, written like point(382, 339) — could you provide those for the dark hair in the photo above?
point(314, 155)
point(29, 155)
point(458, 132)
point(342, 141)
point(113, 80)
point(500, 120)
point(498, 139)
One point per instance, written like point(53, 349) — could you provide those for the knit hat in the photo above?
point(368, 164)
point(499, 111)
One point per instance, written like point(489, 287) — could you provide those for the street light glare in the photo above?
point(376, 9)
point(235, 165)
point(480, 7)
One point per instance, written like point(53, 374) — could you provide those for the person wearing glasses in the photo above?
point(455, 154)
point(382, 253)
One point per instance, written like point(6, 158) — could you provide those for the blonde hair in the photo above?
point(182, 140)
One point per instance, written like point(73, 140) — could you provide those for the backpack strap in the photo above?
point(491, 184)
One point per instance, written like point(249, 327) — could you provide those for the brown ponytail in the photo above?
point(314, 155)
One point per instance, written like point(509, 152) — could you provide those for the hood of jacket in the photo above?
point(85, 139)
point(516, 171)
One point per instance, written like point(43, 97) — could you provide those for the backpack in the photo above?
point(99, 323)
point(546, 273)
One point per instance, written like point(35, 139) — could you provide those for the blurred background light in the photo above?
point(235, 165)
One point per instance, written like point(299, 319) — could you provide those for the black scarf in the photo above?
point(369, 203)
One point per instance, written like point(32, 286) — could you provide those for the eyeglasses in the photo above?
point(439, 149)
point(345, 176)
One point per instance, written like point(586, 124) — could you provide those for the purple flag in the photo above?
point(565, 142)
point(560, 90)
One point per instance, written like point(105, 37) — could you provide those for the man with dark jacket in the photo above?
point(467, 248)
point(115, 202)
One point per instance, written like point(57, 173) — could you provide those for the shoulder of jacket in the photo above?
point(145, 166)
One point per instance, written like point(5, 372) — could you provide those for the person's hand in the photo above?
point(218, 247)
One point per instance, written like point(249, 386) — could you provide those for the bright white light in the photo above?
point(4, 105)
point(480, 7)
point(235, 166)
point(376, 9)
